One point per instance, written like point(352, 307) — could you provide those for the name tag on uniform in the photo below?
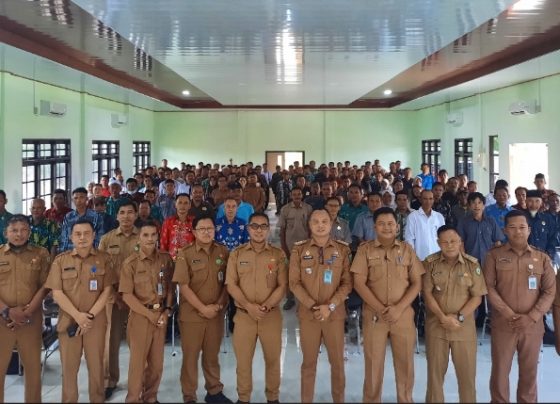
point(93, 285)
point(327, 277)
point(532, 282)
point(4, 263)
point(195, 261)
point(243, 262)
point(307, 257)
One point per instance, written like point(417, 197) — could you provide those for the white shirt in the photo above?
point(180, 188)
point(421, 232)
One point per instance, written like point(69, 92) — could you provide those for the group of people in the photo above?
point(113, 264)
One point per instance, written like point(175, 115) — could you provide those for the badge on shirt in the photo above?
point(338, 228)
point(532, 282)
point(195, 262)
point(530, 266)
point(219, 261)
point(477, 271)
point(327, 277)
point(308, 271)
point(93, 285)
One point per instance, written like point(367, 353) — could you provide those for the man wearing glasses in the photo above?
point(200, 272)
point(257, 278)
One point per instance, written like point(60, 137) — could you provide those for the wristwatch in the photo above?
point(332, 307)
point(6, 313)
point(460, 317)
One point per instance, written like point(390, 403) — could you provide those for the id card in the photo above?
point(160, 289)
point(220, 276)
point(327, 277)
point(93, 285)
point(532, 282)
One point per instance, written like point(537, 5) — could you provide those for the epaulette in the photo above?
point(302, 242)
point(470, 258)
point(433, 257)
point(344, 243)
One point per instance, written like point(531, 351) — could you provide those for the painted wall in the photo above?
point(87, 118)
point(217, 136)
point(488, 114)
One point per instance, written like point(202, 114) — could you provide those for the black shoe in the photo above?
point(289, 304)
point(242, 402)
point(273, 401)
point(190, 402)
point(109, 392)
point(217, 398)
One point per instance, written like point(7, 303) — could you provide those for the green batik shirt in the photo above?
point(45, 234)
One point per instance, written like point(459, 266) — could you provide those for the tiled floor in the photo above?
point(170, 390)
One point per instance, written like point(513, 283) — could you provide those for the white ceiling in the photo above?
point(291, 52)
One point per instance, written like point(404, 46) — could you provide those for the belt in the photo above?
point(156, 306)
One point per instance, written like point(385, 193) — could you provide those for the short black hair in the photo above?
point(356, 185)
point(127, 202)
point(3, 193)
point(385, 210)
point(80, 190)
point(402, 192)
point(18, 218)
point(375, 194)
point(203, 217)
point(83, 220)
point(169, 181)
point(476, 195)
point(182, 194)
point(444, 228)
point(539, 176)
point(148, 223)
point(333, 198)
point(258, 214)
point(516, 213)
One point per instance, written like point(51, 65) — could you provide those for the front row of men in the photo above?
point(385, 272)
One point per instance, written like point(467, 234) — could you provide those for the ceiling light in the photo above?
point(186, 92)
point(388, 92)
point(526, 5)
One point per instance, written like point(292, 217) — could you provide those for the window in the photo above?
point(105, 158)
point(463, 157)
point(141, 155)
point(431, 154)
point(494, 158)
point(45, 167)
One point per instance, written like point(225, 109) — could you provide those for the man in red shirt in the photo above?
point(177, 231)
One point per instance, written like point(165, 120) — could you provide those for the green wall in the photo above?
point(324, 135)
point(488, 114)
point(87, 118)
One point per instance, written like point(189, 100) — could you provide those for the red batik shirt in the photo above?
point(176, 234)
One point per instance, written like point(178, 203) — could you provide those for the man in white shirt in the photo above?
point(421, 227)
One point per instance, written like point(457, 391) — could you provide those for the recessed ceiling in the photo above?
point(289, 53)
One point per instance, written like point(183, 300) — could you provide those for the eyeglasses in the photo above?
point(205, 229)
point(256, 226)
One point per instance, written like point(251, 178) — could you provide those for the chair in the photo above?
point(50, 335)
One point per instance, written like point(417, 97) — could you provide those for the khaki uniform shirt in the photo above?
point(452, 287)
point(507, 279)
point(557, 297)
point(309, 267)
point(294, 221)
point(142, 273)
point(389, 272)
point(255, 196)
point(72, 274)
point(204, 272)
point(119, 246)
point(22, 274)
point(257, 274)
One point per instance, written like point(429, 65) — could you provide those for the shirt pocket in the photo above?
point(375, 269)
point(143, 284)
point(439, 279)
point(272, 279)
point(4, 274)
point(69, 279)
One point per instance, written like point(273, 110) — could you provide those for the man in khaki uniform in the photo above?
point(119, 244)
point(200, 272)
point(521, 288)
point(257, 278)
point(146, 288)
point(388, 277)
point(320, 279)
point(453, 287)
point(293, 228)
point(254, 193)
point(82, 281)
point(23, 271)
